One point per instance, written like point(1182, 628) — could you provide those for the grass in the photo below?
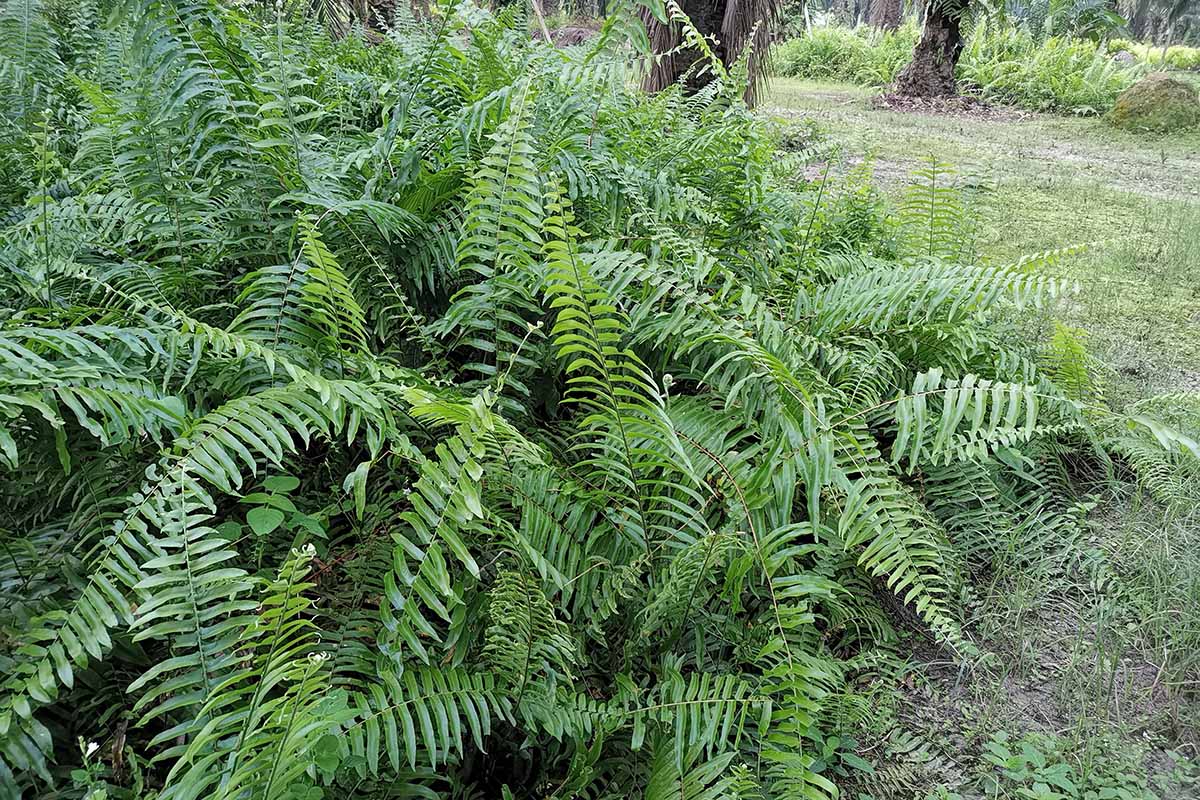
point(1089, 669)
point(1043, 182)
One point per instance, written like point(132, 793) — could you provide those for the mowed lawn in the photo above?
point(1039, 182)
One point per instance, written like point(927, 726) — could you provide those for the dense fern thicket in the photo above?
point(443, 417)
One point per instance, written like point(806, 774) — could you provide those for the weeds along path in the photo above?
point(1041, 182)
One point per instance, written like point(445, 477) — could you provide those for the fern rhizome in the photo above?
point(429, 413)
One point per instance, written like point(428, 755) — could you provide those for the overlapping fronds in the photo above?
point(444, 417)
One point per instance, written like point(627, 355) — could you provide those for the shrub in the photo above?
point(1064, 75)
point(1006, 65)
point(1177, 56)
point(445, 418)
point(1182, 57)
point(861, 56)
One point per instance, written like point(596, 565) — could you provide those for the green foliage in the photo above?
point(862, 55)
point(446, 418)
point(1066, 361)
point(1176, 56)
point(932, 214)
point(999, 63)
point(1037, 766)
point(1158, 442)
point(1081, 19)
point(1071, 76)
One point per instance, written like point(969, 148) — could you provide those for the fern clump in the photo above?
point(444, 417)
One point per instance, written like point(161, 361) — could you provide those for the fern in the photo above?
point(198, 599)
point(398, 412)
point(269, 707)
point(932, 213)
point(395, 717)
point(523, 638)
point(966, 417)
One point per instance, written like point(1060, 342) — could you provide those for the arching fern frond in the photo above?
point(422, 715)
point(524, 639)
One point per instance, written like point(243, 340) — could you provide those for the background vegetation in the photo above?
point(1005, 65)
point(1041, 56)
point(1076, 704)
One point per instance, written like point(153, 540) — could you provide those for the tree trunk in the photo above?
point(706, 15)
point(931, 71)
point(1136, 12)
point(885, 14)
point(727, 25)
point(378, 14)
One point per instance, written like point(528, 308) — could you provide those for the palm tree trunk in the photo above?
point(1137, 12)
point(729, 26)
point(674, 62)
point(885, 14)
point(931, 71)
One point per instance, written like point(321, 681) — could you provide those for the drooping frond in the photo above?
point(423, 713)
point(524, 639)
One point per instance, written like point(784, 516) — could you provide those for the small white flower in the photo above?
point(91, 748)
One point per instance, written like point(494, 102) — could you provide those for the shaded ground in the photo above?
point(1040, 182)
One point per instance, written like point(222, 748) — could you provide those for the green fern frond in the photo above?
point(966, 417)
point(193, 596)
point(445, 505)
point(524, 639)
point(422, 715)
point(623, 410)
point(263, 719)
point(706, 780)
point(931, 215)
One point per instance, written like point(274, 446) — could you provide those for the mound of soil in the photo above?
point(1157, 103)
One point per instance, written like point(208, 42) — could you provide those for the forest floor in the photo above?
point(1090, 653)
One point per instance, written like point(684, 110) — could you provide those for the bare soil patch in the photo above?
point(959, 106)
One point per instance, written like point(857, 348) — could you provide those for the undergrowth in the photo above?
point(861, 55)
point(443, 417)
point(1006, 65)
point(1176, 56)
